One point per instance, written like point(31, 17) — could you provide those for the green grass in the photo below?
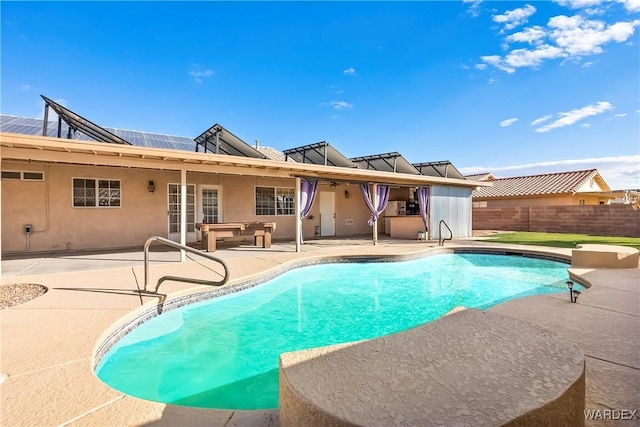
point(561, 240)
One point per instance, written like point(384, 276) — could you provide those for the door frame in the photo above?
point(323, 213)
point(191, 235)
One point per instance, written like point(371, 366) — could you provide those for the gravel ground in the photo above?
point(11, 295)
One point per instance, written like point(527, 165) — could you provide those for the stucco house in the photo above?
point(583, 187)
point(82, 186)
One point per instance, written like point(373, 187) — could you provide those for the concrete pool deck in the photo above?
point(48, 343)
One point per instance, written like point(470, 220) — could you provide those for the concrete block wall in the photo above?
point(508, 218)
point(604, 220)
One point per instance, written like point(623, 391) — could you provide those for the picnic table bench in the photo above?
point(261, 231)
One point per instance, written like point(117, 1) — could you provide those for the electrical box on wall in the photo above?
point(28, 229)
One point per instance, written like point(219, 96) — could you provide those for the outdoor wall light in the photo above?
point(151, 187)
point(346, 194)
point(333, 185)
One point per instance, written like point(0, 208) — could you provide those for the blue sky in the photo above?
point(513, 88)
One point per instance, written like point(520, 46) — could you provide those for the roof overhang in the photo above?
point(54, 150)
point(603, 194)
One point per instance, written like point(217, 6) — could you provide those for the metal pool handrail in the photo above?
point(440, 238)
point(178, 278)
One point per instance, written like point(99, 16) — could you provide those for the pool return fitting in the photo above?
point(178, 278)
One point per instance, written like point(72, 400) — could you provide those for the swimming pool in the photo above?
point(223, 353)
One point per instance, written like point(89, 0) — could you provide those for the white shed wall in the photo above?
point(453, 205)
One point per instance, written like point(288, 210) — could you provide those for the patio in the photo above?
point(48, 343)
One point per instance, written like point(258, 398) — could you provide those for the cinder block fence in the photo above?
point(601, 220)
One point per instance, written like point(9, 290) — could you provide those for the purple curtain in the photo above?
point(382, 193)
point(308, 191)
point(423, 202)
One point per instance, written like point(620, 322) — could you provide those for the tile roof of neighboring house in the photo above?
point(273, 154)
point(487, 176)
point(545, 184)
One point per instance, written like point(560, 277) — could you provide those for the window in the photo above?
point(96, 192)
point(285, 201)
point(275, 201)
point(581, 201)
point(23, 175)
point(32, 176)
point(11, 175)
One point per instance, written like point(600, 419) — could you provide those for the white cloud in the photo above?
point(515, 17)
point(508, 122)
point(474, 6)
point(585, 125)
point(349, 71)
point(620, 115)
point(566, 37)
point(541, 120)
point(579, 37)
point(25, 87)
point(573, 116)
point(481, 66)
point(518, 58)
point(341, 105)
point(199, 75)
point(497, 62)
point(531, 35)
point(577, 4)
point(620, 172)
point(629, 5)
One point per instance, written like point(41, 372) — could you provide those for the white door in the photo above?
point(327, 213)
point(209, 201)
point(173, 202)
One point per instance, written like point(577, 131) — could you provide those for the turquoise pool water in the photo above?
point(223, 353)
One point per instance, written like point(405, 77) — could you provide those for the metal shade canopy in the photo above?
point(76, 122)
point(320, 153)
point(388, 162)
point(443, 169)
point(218, 140)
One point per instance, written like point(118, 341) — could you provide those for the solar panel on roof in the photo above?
point(388, 162)
point(443, 169)
point(218, 140)
point(31, 126)
point(320, 153)
point(77, 122)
